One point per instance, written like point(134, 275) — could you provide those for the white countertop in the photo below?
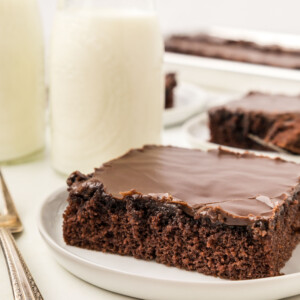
point(30, 183)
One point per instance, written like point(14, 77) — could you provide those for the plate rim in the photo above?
point(55, 246)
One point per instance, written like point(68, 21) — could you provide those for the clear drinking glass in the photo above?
point(22, 89)
point(106, 81)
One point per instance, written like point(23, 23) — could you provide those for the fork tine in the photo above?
point(9, 206)
point(22, 282)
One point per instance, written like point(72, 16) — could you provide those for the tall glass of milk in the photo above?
point(106, 82)
point(22, 92)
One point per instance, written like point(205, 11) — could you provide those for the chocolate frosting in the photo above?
point(231, 188)
point(267, 103)
point(236, 50)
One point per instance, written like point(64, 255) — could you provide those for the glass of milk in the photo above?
point(22, 90)
point(106, 81)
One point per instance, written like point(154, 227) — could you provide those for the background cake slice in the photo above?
point(273, 118)
point(218, 213)
point(235, 50)
point(170, 84)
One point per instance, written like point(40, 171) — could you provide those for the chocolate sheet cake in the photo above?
point(219, 213)
point(170, 84)
point(235, 50)
point(273, 118)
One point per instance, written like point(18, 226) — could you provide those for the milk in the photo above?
point(22, 92)
point(106, 86)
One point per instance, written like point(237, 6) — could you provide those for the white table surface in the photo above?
point(30, 183)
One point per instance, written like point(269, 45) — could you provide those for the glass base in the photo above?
point(37, 155)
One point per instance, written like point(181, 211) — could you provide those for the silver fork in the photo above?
point(269, 145)
point(22, 282)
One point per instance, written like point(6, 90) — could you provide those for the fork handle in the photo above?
point(23, 285)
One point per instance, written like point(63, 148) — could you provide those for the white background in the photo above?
point(177, 15)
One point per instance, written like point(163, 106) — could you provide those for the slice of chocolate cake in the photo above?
point(285, 133)
point(273, 118)
point(170, 84)
point(235, 50)
point(218, 213)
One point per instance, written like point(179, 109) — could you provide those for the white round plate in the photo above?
point(189, 99)
point(150, 280)
point(197, 133)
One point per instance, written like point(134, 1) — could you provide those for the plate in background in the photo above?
point(189, 99)
point(150, 280)
point(224, 75)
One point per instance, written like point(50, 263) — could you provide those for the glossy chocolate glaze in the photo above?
point(267, 103)
point(230, 188)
